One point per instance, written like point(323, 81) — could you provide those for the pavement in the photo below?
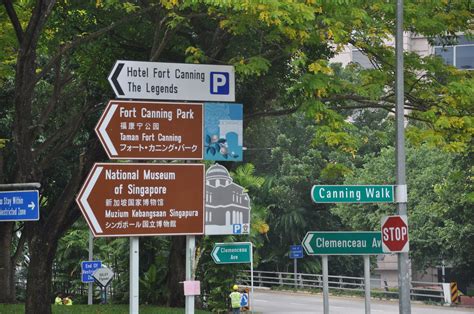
point(269, 301)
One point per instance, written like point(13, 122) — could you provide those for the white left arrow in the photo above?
point(31, 205)
point(307, 243)
point(85, 202)
point(214, 254)
point(103, 132)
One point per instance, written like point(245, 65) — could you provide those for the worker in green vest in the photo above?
point(235, 300)
point(67, 300)
point(59, 299)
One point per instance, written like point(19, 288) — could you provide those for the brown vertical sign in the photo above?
point(151, 130)
point(136, 199)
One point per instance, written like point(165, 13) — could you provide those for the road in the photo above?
point(294, 303)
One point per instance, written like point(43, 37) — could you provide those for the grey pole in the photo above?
point(325, 284)
point(134, 264)
point(403, 261)
point(296, 272)
point(190, 249)
point(91, 257)
point(367, 283)
point(251, 278)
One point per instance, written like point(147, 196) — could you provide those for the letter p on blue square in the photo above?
point(220, 83)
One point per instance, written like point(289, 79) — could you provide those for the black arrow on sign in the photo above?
point(118, 69)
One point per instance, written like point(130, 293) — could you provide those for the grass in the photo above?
point(96, 309)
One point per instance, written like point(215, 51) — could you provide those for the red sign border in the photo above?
point(89, 177)
point(102, 140)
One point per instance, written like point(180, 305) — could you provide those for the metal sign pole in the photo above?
point(294, 261)
point(325, 284)
point(403, 261)
point(91, 257)
point(190, 248)
point(251, 278)
point(367, 283)
point(134, 264)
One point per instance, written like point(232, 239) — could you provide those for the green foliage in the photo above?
point(439, 202)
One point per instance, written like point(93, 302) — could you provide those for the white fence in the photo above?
point(419, 290)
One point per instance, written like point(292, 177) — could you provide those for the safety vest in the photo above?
point(67, 301)
point(235, 299)
point(58, 301)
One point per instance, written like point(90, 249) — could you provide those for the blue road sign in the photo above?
point(19, 205)
point(88, 268)
point(296, 251)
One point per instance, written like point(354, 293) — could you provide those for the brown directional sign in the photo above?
point(152, 130)
point(136, 199)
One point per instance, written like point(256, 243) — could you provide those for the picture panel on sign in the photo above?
point(223, 131)
point(173, 81)
point(152, 130)
point(227, 204)
point(131, 199)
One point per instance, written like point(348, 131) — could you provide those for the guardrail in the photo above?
point(419, 290)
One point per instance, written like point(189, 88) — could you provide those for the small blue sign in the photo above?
point(237, 228)
point(220, 83)
point(296, 251)
point(88, 268)
point(19, 205)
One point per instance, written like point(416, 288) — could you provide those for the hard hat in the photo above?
point(235, 287)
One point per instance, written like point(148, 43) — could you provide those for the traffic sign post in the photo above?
point(19, 206)
point(352, 193)
point(103, 276)
point(395, 234)
point(326, 243)
point(88, 268)
point(172, 81)
point(232, 253)
point(342, 243)
point(135, 199)
point(296, 251)
point(152, 130)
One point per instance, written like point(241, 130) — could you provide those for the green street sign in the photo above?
point(352, 193)
point(232, 253)
point(343, 243)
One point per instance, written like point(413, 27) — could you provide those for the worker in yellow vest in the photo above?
point(67, 300)
point(58, 300)
point(235, 297)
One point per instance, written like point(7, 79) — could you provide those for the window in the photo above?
point(461, 55)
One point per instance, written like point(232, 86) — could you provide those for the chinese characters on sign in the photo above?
point(143, 199)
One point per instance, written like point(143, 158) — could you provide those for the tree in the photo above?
point(279, 48)
point(439, 202)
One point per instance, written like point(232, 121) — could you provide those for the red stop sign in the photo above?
point(395, 234)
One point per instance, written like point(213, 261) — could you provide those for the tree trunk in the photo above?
point(7, 268)
point(38, 289)
point(176, 271)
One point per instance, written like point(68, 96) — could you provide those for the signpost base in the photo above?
point(190, 249)
point(325, 284)
point(90, 291)
point(134, 264)
point(367, 283)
